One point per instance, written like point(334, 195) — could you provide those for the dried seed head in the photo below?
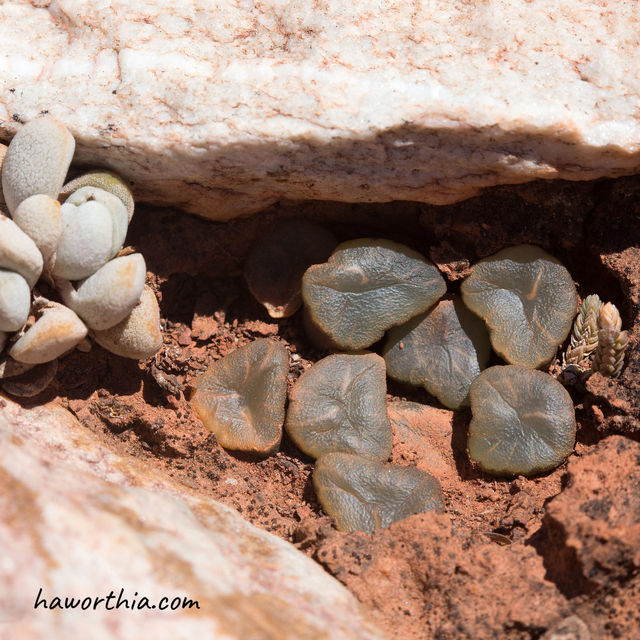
point(110, 294)
point(609, 357)
point(106, 180)
point(87, 240)
point(18, 252)
point(584, 337)
point(612, 343)
point(138, 336)
point(40, 218)
point(55, 332)
point(609, 317)
point(37, 161)
point(15, 300)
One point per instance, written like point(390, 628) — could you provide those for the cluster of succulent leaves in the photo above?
point(337, 414)
point(70, 237)
point(520, 301)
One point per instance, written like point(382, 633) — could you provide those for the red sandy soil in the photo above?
point(510, 558)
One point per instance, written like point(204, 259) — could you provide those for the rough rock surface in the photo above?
point(590, 538)
point(223, 109)
point(460, 578)
point(77, 520)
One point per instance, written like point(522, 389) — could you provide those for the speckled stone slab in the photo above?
point(78, 520)
point(224, 108)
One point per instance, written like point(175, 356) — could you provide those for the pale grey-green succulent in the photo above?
point(528, 301)
point(37, 161)
point(138, 336)
point(110, 294)
point(523, 421)
point(73, 247)
point(56, 331)
point(15, 300)
point(18, 252)
point(40, 218)
point(241, 398)
point(339, 404)
point(366, 495)
point(366, 287)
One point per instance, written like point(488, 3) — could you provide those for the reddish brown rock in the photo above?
point(426, 579)
point(422, 437)
point(598, 515)
point(78, 520)
point(590, 538)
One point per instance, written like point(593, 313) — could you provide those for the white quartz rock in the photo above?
point(110, 294)
point(15, 300)
point(138, 336)
point(37, 160)
point(86, 242)
point(39, 217)
point(80, 520)
point(19, 252)
point(55, 332)
point(224, 108)
point(113, 204)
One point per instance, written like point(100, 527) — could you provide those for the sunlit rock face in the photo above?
point(224, 108)
point(79, 521)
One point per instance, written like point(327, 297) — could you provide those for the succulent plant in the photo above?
point(15, 300)
point(10, 367)
point(73, 242)
point(138, 336)
point(87, 240)
point(105, 180)
point(276, 264)
point(56, 331)
point(110, 294)
point(18, 252)
point(241, 398)
point(113, 204)
point(339, 404)
point(442, 350)
point(366, 287)
point(528, 301)
point(32, 379)
point(40, 218)
point(37, 161)
point(365, 495)
point(523, 421)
